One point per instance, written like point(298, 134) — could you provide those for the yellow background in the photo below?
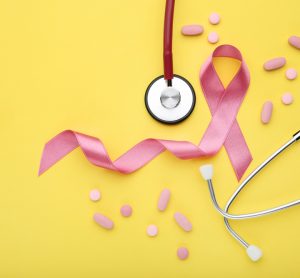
point(85, 65)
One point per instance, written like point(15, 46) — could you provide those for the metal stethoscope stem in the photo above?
point(227, 215)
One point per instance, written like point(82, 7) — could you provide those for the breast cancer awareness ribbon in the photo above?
point(223, 129)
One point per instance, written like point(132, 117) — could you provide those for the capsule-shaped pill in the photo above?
point(103, 221)
point(163, 199)
point(183, 222)
point(192, 30)
point(266, 112)
point(275, 63)
point(294, 41)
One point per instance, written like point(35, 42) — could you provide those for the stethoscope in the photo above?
point(169, 98)
point(206, 171)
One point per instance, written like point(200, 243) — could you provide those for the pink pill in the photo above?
point(213, 37)
point(287, 98)
point(182, 253)
point(183, 222)
point(275, 63)
point(163, 199)
point(214, 18)
point(152, 230)
point(291, 74)
point(103, 221)
point(95, 195)
point(192, 30)
point(266, 112)
point(294, 41)
point(126, 210)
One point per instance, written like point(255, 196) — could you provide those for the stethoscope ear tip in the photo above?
point(254, 253)
point(206, 171)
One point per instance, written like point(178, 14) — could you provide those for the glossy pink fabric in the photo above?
point(223, 129)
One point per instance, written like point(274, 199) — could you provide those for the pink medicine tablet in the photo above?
point(152, 230)
point(214, 18)
point(103, 221)
point(291, 74)
point(183, 222)
point(287, 98)
point(213, 37)
point(294, 41)
point(192, 30)
point(275, 63)
point(163, 199)
point(266, 112)
point(182, 253)
point(126, 210)
point(95, 195)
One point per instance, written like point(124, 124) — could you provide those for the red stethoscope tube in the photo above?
point(168, 33)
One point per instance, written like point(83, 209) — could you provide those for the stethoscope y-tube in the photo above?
point(207, 172)
point(169, 98)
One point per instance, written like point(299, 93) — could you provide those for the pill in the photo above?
point(266, 112)
point(287, 98)
point(182, 221)
point(275, 63)
point(214, 18)
point(152, 230)
point(126, 210)
point(95, 195)
point(182, 253)
point(103, 221)
point(294, 41)
point(163, 199)
point(213, 37)
point(192, 30)
point(291, 74)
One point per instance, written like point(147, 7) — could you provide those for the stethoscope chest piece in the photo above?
point(170, 104)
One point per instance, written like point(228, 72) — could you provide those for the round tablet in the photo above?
point(152, 230)
point(287, 98)
point(213, 37)
point(182, 253)
point(95, 195)
point(291, 74)
point(214, 18)
point(126, 210)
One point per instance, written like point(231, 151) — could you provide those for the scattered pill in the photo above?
point(152, 230)
point(103, 221)
point(266, 112)
point(214, 18)
point(294, 41)
point(291, 74)
point(163, 199)
point(275, 63)
point(192, 30)
point(182, 253)
point(287, 98)
point(183, 222)
point(126, 210)
point(95, 195)
point(213, 37)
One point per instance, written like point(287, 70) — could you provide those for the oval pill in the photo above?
point(164, 199)
point(182, 253)
point(126, 210)
point(287, 98)
point(152, 230)
point(294, 41)
point(214, 18)
point(213, 37)
point(275, 63)
point(183, 222)
point(103, 221)
point(291, 74)
point(266, 112)
point(192, 30)
point(95, 195)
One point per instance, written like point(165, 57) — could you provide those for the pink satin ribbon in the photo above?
point(223, 129)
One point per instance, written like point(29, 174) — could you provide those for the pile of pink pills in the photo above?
point(151, 230)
